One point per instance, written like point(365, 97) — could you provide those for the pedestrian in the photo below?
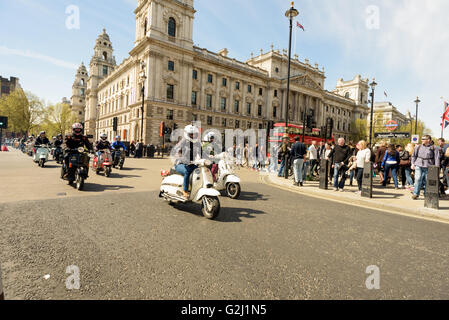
point(283, 156)
point(380, 153)
point(391, 162)
point(424, 156)
point(404, 165)
point(363, 156)
point(354, 151)
point(313, 159)
point(340, 155)
point(297, 154)
point(132, 149)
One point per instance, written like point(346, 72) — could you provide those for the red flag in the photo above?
point(445, 116)
point(300, 26)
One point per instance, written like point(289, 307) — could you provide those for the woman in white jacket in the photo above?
point(363, 156)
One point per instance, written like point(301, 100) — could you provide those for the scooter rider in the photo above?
point(103, 143)
point(117, 144)
point(75, 141)
point(59, 141)
point(187, 150)
point(42, 139)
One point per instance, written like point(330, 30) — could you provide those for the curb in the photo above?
point(2, 296)
point(425, 213)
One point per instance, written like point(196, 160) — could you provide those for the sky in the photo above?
point(399, 42)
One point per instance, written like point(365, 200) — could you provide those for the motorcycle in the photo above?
point(201, 189)
point(57, 154)
point(226, 178)
point(119, 158)
point(78, 166)
point(40, 155)
point(103, 162)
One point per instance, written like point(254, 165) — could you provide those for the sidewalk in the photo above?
point(385, 199)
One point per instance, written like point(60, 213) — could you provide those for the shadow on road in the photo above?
point(117, 175)
point(131, 169)
point(93, 187)
point(251, 196)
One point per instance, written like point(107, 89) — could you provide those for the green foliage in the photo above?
point(359, 130)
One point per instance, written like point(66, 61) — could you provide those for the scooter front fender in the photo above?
point(206, 192)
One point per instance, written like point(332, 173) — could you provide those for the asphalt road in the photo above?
point(270, 244)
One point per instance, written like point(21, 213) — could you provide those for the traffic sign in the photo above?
point(415, 138)
point(391, 125)
point(392, 135)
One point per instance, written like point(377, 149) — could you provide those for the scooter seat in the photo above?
point(173, 171)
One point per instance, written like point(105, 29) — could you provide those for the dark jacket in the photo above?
point(39, 141)
point(74, 142)
point(58, 143)
point(380, 154)
point(100, 145)
point(298, 151)
point(340, 154)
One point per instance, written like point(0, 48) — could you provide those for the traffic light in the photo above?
point(114, 124)
point(309, 122)
point(330, 127)
point(4, 122)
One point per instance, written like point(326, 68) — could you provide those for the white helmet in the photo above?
point(103, 136)
point(208, 137)
point(191, 130)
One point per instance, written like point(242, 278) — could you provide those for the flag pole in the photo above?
point(296, 29)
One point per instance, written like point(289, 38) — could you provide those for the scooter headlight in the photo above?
point(80, 149)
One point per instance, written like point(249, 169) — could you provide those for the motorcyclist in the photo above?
point(209, 147)
point(41, 140)
point(187, 150)
point(117, 144)
point(75, 141)
point(59, 141)
point(102, 144)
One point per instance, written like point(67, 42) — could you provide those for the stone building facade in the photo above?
point(184, 83)
point(386, 111)
point(7, 86)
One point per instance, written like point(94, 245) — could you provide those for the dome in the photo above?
point(82, 69)
point(104, 36)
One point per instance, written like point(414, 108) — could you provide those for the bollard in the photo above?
point(2, 295)
point(431, 194)
point(367, 181)
point(324, 174)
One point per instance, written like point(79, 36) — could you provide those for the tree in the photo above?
point(23, 109)
point(57, 119)
point(359, 130)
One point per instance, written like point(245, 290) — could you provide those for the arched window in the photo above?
point(105, 55)
point(347, 95)
point(82, 82)
point(172, 27)
point(145, 28)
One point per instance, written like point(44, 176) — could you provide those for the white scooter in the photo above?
point(226, 178)
point(41, 155)
point(201, 189)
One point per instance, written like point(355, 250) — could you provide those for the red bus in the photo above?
point(296, 131)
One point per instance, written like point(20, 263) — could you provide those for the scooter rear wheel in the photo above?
point(233, 190)
point(210, 207)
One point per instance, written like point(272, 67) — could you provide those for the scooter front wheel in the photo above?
point(79, 182)
point(210, 207)
point(107, 171)
point(233, 190)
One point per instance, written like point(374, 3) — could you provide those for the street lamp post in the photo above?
point(373, 86)
point(417, 101)
point(290, 14)
point(143, 77)
point(98, 122)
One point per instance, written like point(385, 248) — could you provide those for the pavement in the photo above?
point(272, 243)
point(385, 199)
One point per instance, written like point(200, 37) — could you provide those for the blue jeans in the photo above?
point(186, 171)
point(281, 168)
point(297, 169)
point(305, 170)
point(394, 169)
point(420, 178)
point(351, 176)
point(408, 176)
point(340, 185)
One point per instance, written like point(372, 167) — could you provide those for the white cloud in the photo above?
point(29, 54)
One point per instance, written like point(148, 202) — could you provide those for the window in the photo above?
point(237, 86)
point(169, 114)
point(194, 96)
point(344, 126)
point(105, 70)
point(209, 120)
point(223, 104)
point(224, 82)
point(82, 82)
point(349, 127)
point(277, 70)
point(260, 126)
point(171, 27)
point(223, 122)
point(82, 92)
point(347, 95)
point(327, 108)
point(209, 101)
point(171, 66)
point(333, 110)
point(195, 74)
point(338, 125)
point(236, 106)
point(275, 112)
point(249, 125)
point(105, 55)
point(209, 78)
point(338, 111)
point(195, 117)
point(170, 91)
point(259, 110)
point(260, 91)
point(249, 88)
point(237, 124)
point(145, 28)
point(275, 93)
point(248, 108)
